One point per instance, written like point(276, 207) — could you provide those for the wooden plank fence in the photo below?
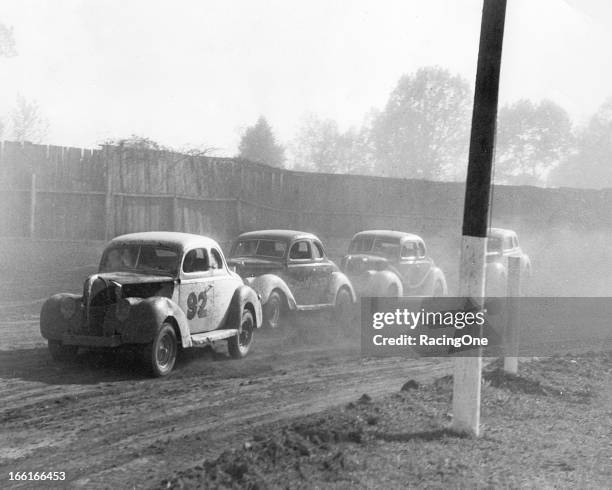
point(50, 192)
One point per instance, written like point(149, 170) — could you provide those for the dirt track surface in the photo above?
point(104, 423)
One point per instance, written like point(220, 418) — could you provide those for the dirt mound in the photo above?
point(313, 441)
point(516, 384)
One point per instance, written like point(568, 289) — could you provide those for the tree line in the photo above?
point(423, 130)
point(25, 121)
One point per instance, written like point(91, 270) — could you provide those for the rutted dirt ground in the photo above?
point(106, 425)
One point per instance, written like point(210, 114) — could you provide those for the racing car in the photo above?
point(156, 291)
point(291, 272)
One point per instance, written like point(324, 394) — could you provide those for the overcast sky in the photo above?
point(197, 72)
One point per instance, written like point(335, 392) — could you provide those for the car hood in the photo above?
point(357, 263)
point(251, 266)
point(132, 277)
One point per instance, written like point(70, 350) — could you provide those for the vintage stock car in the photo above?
point(156, 291)
point(393, 264)
point(291, 272)
point(501, 244)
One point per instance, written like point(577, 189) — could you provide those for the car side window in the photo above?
point(300, 251)
point(317, 251)
point(409, 250)
point(507, 243)
point(421, 250)
point(216, 262)
point(515, 242)
point(196, 260)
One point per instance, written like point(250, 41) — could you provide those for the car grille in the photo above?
point(99, 301)
point(356, 267)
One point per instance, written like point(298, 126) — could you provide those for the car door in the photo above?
point(414, 264)
point(322, 274)
point(196, 291)
point(407, 265)
point(224, 286)
point(423, 264)
point(300, 268)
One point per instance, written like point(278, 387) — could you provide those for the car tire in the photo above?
point(239, 345)
point(60, 352)
point(273, 311)
point(343, 310)
point(160, 355)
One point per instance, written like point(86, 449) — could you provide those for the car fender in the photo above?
point(243, 295)
point(338, 280)
point(147, 315)
point(53, 325)
point(380, 282)
point(435, 275)
point(266, 283)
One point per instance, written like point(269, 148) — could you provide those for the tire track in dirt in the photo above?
point(106, 425)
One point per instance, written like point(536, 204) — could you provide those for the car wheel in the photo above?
point(62, 353)
point(239, 345)
point(273, 311)
point(343, 310)
point(160, 355)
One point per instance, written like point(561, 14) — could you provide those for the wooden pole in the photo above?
point(33, 206)
point(467, 373)
point(511, 335)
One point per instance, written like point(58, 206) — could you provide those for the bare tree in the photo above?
point(136, 142)
point(27, 122)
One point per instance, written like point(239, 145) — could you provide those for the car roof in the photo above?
point(501, 232)
point(183, 241)
point(400, 235)
point(278, 235)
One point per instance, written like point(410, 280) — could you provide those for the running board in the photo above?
point(207, 338)
point(323, 306)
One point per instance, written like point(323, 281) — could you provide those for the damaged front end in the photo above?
point(100, 316)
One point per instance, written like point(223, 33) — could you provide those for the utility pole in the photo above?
point(468, 370)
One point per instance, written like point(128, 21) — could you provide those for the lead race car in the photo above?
point(392, 264)
point(291, 272)
point(155, 291)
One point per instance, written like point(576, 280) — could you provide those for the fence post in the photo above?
point(109, 201)
point(175, 213)
point(239, 200)
point(33, 206)
point(511, 336)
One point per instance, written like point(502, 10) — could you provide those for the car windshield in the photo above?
point(494, 244)
point(154, 259)
point(260, 248)
point(385, 247)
